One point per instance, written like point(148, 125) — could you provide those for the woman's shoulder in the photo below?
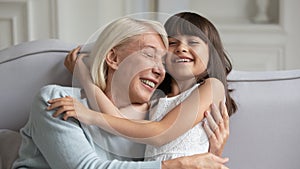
point(55, 91)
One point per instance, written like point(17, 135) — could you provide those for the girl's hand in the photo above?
point(217, 128)
point(71, 59)
point(71, 107)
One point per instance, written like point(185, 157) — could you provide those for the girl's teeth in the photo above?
point(182, 60)
point(149, 83)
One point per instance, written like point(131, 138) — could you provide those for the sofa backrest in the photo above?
point(24, 69)
point(264, 130)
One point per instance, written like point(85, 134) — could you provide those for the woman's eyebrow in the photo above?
point(162, 52)
point(150, 46)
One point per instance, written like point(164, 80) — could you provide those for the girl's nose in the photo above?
point(182, 48)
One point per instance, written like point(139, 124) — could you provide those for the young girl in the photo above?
point(197, 69)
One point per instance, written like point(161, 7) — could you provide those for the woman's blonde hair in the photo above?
point(115, 34)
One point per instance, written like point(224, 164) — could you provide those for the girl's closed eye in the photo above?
point(172, 42)
point(193, 42)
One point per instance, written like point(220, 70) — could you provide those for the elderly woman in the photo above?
point(53, 143)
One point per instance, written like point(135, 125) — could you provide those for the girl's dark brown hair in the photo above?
point(219, 65)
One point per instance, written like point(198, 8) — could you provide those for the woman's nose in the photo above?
point(159, 69)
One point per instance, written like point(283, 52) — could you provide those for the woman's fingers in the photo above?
point(217, 116)
point(209, 132)
point(217, 128)
point(225, 115)
point(211, 121)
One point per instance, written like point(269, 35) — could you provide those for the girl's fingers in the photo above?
point(64, 105)
point(71, 58)
point(69, 114)
point(59, 102)
point(67, 98)
point(81, 56)
point(63, 109)
point(74, 53)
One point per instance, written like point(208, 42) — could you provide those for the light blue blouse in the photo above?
point(49, 142)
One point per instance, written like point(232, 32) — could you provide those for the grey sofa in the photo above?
point(264, 131)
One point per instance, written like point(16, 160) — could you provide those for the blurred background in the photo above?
point(259, 35)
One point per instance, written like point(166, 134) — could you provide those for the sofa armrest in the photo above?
point(24, 69)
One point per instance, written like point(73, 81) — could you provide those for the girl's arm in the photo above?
point(97, 99)
point(175, 123)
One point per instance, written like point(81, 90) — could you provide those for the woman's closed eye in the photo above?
point(149, 52)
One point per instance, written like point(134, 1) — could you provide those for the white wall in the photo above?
point(271, 46)
point(291, 17)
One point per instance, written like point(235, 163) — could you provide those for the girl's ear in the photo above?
point(112, 59)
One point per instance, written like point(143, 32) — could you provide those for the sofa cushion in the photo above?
point(9, 145)
point(264, 130)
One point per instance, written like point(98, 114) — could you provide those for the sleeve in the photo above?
point(64, 143)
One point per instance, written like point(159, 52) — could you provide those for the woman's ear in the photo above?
point(112, 59)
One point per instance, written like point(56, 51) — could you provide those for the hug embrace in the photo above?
point(151, 97)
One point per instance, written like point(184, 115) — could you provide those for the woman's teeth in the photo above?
point(148, 82)
point(182, 60)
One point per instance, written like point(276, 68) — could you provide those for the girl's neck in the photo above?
point(180, 86)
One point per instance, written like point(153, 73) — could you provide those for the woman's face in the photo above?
point(140, 70)
point(188, 57)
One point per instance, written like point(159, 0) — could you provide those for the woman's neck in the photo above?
point(116, 97)
point(127, 109)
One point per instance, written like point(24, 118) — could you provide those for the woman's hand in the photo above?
point(198, 161)
point(71, 107)
point(217, 128)
point(71, 58)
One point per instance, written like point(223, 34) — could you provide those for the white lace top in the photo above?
point(194, 141)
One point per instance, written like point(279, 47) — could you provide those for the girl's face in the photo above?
point(188, 57)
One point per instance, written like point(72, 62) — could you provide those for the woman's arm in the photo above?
point(175, 123)
point(64, 144)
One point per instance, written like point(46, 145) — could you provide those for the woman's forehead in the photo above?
point(147, 40)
